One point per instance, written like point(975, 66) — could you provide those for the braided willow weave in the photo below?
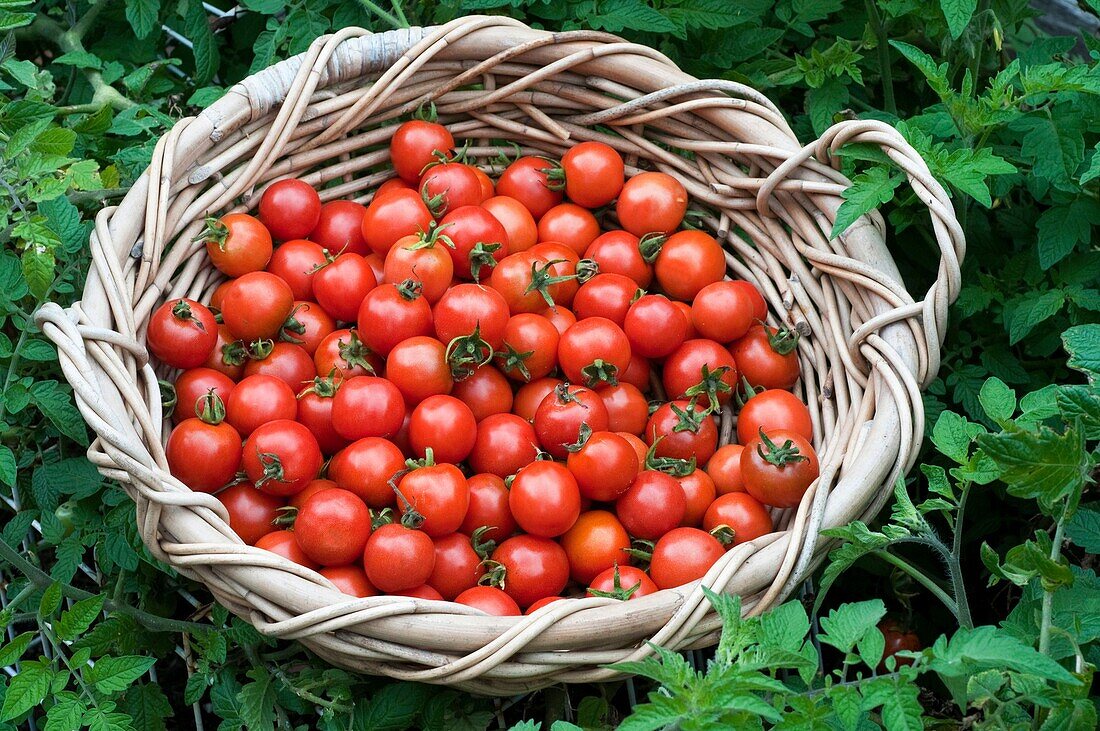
point(326, 116)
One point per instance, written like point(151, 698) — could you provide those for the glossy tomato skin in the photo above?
point(365, 467)
point(595, 543)
point(478, 241)
point(518, 222)
point(759, 305)
point(605, 295)
point(228, 356)
point(627, 408)
point(341, 286)
point(594, 174)
point(203, 456)
point(468, 306)
point(563, 265)
point(605, 467)
point(513, 279)
point(559, 417)
point(655, 326)
point(562, 318)
point(457, 566)
point(332, 527)
point(773, 409)
point(683, 555)
point(617, 252)
point(193, 384)
point(445, 425)
point(393, 216)
point(182, 333)
point(414, 146)
point(240, 244)
point(295, 262)
point(504, 444)
point(741, 512)
point(252, 513)
point(290, 208)
point(530, 395)
point(390, 314)
point(340, 228)
point(594, 351)
point(526, 181)
point(313, 323)
point(530, 347)
point(652, 506)
point(488, 190)
point(760, 362)
point(698, 435)
point(422, 260)
point(350, 580)
point(534, 568)
point(418, 368)
point(638, 373)
point(299, 499)
point(257, 400)
point(367, 406)
point(450, 186)
point(283, 543)
point(256, 305)
point(544, 499)
point(315, 404)
point(290, 363)
point(724, 468)
point(439, 493)
point(689, 261)
point(488, 508)
point(897, 638)
point(700, 492)
point(569, 224)
point(420, 592)
point(491, 600)
point(485, 392)
point(684, 370)
point(640, 447)
point(632, 581)
point(343, 352)
point(651, 202)
point(281, 457)
point(397, 558)
point(722, 311)
point(542, 603)
point(782, 485)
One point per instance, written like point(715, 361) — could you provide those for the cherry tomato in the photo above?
point(365, 467)
point(569, 224)
point(768, 357)
point(683, 555)
point(283, 543)
point(622, 582)
point(295, 262)
point(418, 368)
point(478, 241)
point(544, 499)
point(759, 306)
point(897, 638)
point(446, 426)
point(237, 243)
point(289, 363)
point(542, 603)
point(281, 457)
point(367, 406)
point(257, 400)
point(449, 186)
point(392, 217)
point(517, 221)
point(457, 566)
point(488, 190)
point(340, 228)
point(652, 506)
point(350, 580)
point(417, 144)
point(530, 395)
point(559, 417)
point(485, 392)
point(228, 356)
point(488, 508)
point(740, 512)
point(564, 263)
point(469, 307)
point(688, 262)
point(595, 543)
point(560, 317)
point(299, 499)
point(393, 184)
point(182, 333)
point(391, 313)
point(424, 259)
point(527, 282)
point(655, 326)
point(722, 311)
point(605, 466)
point(204, 452)
point(256, 306)
point(397, 558)
point(700, 369)
point(341, 285)
point(491, 600)
point(195, 383)
point(651, 202)
point(218, 294)
point(638, 373)
point(315, 403)
point(308, 326)
point(252, 513)
point(686, 430)
point(344, 352)
point(593, 173)
point(438, 493)
point(627, 409)
point(594, 352)
point(618, 252)
point(770, 410)
point(684, 307)
point(530, 347)
point(377, 265)
point(778, 467)
point(640, 448)
point(724, 468)
point(332, 527)
point(504, 444)
point(534, 568)
point(401, 438)
point(420, 592)
point(700, 492)
point(605, 295)
point(526, 181)
point(290, 209)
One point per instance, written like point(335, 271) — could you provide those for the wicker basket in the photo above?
point(326, 116)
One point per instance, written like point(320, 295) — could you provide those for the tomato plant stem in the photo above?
point(1048, 596)
point(387, 17)
point(883, 57)
point(921, 578)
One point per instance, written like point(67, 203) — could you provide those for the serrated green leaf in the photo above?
point(14, 650)
point(26, 689)
point(51, 600)
point(1040, 464)
point(38, 269)
point(39, 351)
point(1074, 714)
point(868, 191)
point(257, 701)
point(997, 399)
point(982, 648)
point(1084, 528)
point(393, 708)
point(1032, 309)
point(1055, 147)
point(16, 529)
point(1093, 171)
point(1083, 345)
point(79, 59)
point(204, 47)
point(56, 404)
point(79, 617)
point(147, 707)
point(935, 74)
point(847, 624)
point(142, 15)
point(958, 14)
point(952, 436)
point(1081, 405)
point(65, 715)
point(8, 470)
point(617, 15)
point(1062, 228)
point(11, 21)
point(115, 674)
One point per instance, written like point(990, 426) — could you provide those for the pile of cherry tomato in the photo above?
point(481, 391)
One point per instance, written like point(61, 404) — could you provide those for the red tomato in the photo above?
point(299, 499)
point(315, 403)
point(332, 527)
point(393, 184)
point(256, 306)
point(290, 208)
point(622, 582)
point(655, 326)
point(559, 417)
point(897, 638)
point(237, 243)
point(488, 508)
point(420, 592)
point(683, 555)
point(700, 369)
point(569, 224)
point(281, 457)
point(252, 513)
point(436, 493)
point(397, 558)
point(377, 265)
point(182, 333)
point(195, 383)
point(627, 409)
point(544, 499)
point(700, 491)
point(417, 144)
point(367, 406)
point(564, 263)
point(560, 317)
point(424, 259)
point(308, 326)
point(768, 357)
point(289, 363)
point(595, 543)
point(504, 444)
point(457, 566)
point(392, 217)
point(350, 580)
point(688, 431)
point(340, 227)
point(593, 352)
point(204, 452)
point(218, 294)
point(467, 308)
point(530, 395)
point(526, 181)
point(593, 173)
point(605, 295)
point(418, 368)
point(517, 221)
point(638, 373)
point(724, 468)
point(534, 568)
point(446, 426)
point(778, 467)
point(449, 186)
point(605, 466)
point(228, 356)
point(684, 307)
point(488, 190)
point(527, 282)
point(365, 467)
point(478, 241)
point(282, 543)
point(490, 600)
point(341, 286)
point(640, 448)
point(759, 306)
point(770, 410)
point(391, 313)
point(652, 506)
point(722, 311)
point(344, 352)
point(542, 603)
point(486, 392)
point(530, 347)
point(257, 400)
point(688, 262)
point(740, 512)
point(618, 252)
point(651, 202)
point(295, 262)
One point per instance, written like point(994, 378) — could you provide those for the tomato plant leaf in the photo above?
point(8, 470)
point(142, 15)
point(1040, 464)
point(868, 191)
point(846, 625)
point(75, 620)
point(26, 689)
point(1084, 528)
point(147, 705)
point(1083, 345)
point(114, 674)
point(1063, 228)
point(257, 701)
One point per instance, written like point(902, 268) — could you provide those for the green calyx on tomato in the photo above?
point(746, 392)
point(495, 574)
point(292, 325)
point(586, 269)
point(555, 174)
point(286, 516)
point(779, 455)
point(513, 361)
point(710, 385)
point(426, 112)
point(600, 371)
point(483, 547)
point(618, 591)
point(273, 468)
point(564, 395)
point(323, 386)
point(689, 419)
point(355, 353)
point(234, 353)
point(642, 550)
point(783, 339)
point(260, 349)
point(210, 408)
point(669, 465)
point(466, 353)
point(650, 246)
point(182, 311)
point(168, 396)
point(584, 433)
point(481, 255)
point(410, 289)
point(213, 231)
point(542, 280)
point(434, 235)
point(379, 518)
point(724, 534)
